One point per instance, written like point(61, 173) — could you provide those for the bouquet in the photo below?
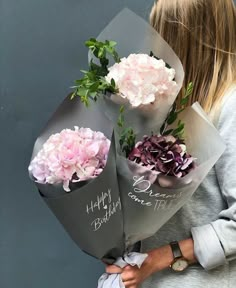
point(145, 76)
point(136, 88)
point(158, 153)
point(74, 170)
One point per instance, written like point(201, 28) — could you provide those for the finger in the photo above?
point(128, 267)
point(127, 276)
point(113, 269)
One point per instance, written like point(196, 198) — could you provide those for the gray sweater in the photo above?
point(209, 217)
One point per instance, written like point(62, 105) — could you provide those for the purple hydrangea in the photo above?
point(164, 154)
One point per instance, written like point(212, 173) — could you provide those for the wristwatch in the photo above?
point(179, 263)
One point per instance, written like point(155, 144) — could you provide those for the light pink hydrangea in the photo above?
point(71, 155)
point(142, 79)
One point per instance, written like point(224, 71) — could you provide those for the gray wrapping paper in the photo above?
point(134, 35)
point(147, 205)
point(150, 200)
point(93, 208)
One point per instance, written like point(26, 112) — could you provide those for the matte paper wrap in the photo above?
point(106, 216)
point(135, 35)
point(91, 211)
point(146, 204)
point(149, 200)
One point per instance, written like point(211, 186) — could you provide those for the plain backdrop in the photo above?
point(42, 51)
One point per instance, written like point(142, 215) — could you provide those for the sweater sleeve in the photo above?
point(215, 243)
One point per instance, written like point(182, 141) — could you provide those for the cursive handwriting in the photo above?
point(100, 202)
point(144, 187)
point(112, 209)
point(136, 199)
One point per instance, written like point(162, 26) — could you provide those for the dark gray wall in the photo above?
point(41, 53)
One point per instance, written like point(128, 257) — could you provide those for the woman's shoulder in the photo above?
point(227, 111)
point(229, 98)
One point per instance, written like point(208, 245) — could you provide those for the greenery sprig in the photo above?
point(94, 81)
point(173, 116)
point(127, 135)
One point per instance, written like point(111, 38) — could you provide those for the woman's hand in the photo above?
point(157, 260)
point(132, 276)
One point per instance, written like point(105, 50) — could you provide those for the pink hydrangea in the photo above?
point(71, 155)
point(142, 79)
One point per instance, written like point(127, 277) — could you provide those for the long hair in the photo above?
point(203, 35)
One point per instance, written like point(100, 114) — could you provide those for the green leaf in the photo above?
point(190, 87)
point(172, 118)
point(101, 53)
point(113, 83)
point(173, 114)
point(121, 119)
point(179, 129)
point(116, 57)
point(189, 90)
point(184, 101)
point(93, 95)
point(93, 88)
point(92, 40)
point(82, 91)
point(127, 135)
point(73, 95)
point(104, 62)
point(122, 109)
point(112, 43)
point(85, 101)
point(168, 132)
point(173, 108)
point(109, 50)
point(93, 82)
point(119, 124)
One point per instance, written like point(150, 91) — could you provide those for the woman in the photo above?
point(203, 35)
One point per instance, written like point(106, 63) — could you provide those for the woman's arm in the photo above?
point(215, 243)
point(162, 257)
point(157, 260)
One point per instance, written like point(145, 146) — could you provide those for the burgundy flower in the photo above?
point(164, 154)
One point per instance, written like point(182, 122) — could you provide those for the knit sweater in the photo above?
point(209, 217)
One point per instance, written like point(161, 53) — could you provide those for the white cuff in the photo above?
point(207, 247)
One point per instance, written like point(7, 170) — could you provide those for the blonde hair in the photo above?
point(203, 34)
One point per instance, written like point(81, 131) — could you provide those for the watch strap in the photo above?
point(176, 249)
